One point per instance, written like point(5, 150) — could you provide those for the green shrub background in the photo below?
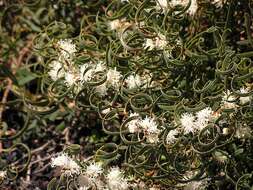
point(207, 55)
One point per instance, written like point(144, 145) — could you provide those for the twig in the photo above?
point(17, 62)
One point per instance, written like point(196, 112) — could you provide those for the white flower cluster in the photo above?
point(245, 99)
point(113, 81)
point(67, 49)
point(68, 165)
point(118, 24)
point(229, 100)
point(116, 180)
point(171, 137)
point(3, 174)
point(96, 176)
point(196, 185)
point(159, 42)
point(94, 170)
point(218, 3)
point(56, 70)
point(136, 81)
point(74, 75)
point(87, 71)
point(147, 125)
point(63, 67)
point(192, 123)
point(83, 188)
point(163, 4)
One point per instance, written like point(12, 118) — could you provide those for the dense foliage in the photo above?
point(126, 94)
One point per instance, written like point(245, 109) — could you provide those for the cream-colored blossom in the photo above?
point(113, 78)
point(150, 129)
point(101, 89)
point(159, 42)
point(246, 99)
point(115, 179)
point(133, 124)
point(163, 4)
point(88, 71)
point(228, 100)
point(94, 170)
point(71, 78)
point(68, 165)
point(191, 10)
point(67, 49)
point(171, 137)
point(203, 117)
point(3, 174)
point(56, 70)
point(133, 81)
point(118, 24)
point(218, 3)
point(188, 123)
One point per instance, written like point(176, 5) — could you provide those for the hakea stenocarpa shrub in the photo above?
point(171, 83)
point(172, 88)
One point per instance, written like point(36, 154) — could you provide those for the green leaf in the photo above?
point(51, 185)
point(61, 126)
point(5, 71)
point(239, 151)
point(24, 76)
point(73, 149)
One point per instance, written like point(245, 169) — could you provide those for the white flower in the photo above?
point(153, 137)
point(83, 188)
point(106, 111)
point(225, 131)
point(56, 70)
point(85, 76)
point(203, 118)
point(228, 97)
point(100, 67)
point(90, 73)
point(150, 129)
point(193, 7)
point(114, 24)
point(67, 49)
point(133, 124)
point(246, 99)
point(162, 3)
point(68, 164)
point(196, 185)
point(187, 122)
point(133, 81)
point(218, 3)
point(71, 78)
point(3, 174)
point(114, 173)
point(191, 10)
point(158, 42)
point(149, 125)
point(171, 137)
point(149, 43)
point(228, 100)
point(113, 78)
point(118, 24)
point(94, 170)
point(101, 89)
point(154, 188)
point(116, 180)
